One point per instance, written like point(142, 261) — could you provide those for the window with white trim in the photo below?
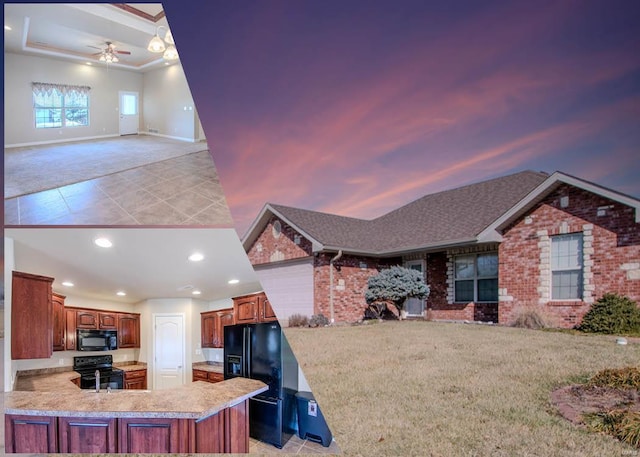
point(60, 105)
point(566, 267)
point(476, 277)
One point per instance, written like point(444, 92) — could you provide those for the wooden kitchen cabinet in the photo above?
point(135, 379)
point(87, 435)
point(31, 316)
point(215, 377)
point(59, 321)
point(199, 375)
point(153, 436)
point(30, 434)
point(87, 319)
point(128, 330)
point(252, 309)
point(70, 333)
point(107, 321)
point(212, 327)
point(208, 376)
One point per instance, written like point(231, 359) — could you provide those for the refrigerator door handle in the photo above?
point(248, 353)
point(268, 402)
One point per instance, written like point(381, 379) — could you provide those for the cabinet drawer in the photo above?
point(199, 375)
point(215, 377)
point(135, 374)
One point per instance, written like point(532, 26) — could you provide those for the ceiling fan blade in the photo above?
point(122, 52)
point(94, 47)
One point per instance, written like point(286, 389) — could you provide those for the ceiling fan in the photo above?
point(108, 54)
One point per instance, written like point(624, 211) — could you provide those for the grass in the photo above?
point(440, 389)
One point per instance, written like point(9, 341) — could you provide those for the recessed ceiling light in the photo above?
point(6, 27)
point(234, 281)
point(196, 292)
point(103, 242)
point(68, 284)
point(196, 257)
point(121, 293)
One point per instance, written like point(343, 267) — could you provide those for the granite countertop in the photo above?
point(214, 367)
point(131, 366)
point(198, 400)
point(48, 382)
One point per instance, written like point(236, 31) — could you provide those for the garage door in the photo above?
point(289, 288)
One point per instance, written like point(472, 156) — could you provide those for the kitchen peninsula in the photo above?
point(196, 418)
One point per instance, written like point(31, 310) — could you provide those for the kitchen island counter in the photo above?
point(197, 400)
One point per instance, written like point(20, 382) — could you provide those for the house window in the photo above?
point(476, 278)
point(58, 105)
point(566, 267)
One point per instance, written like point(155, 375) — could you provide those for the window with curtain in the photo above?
point(60, 105)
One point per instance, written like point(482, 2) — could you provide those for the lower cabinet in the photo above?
point(209, 376)
point(87, 435)
point(224, 432)
point(30, 434)
point(135, 379)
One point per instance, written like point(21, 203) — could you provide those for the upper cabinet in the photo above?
point(31, 316)
point(70, 320)
point(107, 321)
point(59, 322)
point(87, 319)
point(212, 326)
point(128, 330)
point(251, 309)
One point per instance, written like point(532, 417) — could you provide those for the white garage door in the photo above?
point(289, 288)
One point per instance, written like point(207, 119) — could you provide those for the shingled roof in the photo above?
point(445, 218)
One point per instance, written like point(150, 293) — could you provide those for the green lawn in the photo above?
point(441, 389)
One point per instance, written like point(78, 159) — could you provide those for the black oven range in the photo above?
point(87, 366)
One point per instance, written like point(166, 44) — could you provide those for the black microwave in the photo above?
point(97, 340)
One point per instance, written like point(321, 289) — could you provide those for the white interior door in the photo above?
point(169, 356)
point(129, 118)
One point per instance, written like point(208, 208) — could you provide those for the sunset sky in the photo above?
point(358, 107)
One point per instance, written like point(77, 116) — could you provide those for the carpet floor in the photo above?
point(34, 169)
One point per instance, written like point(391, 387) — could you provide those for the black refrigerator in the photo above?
point(261, 351)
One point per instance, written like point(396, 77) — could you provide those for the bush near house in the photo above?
point(531, 319)
point(612, 314)
point(318, 320)
point(393, 286)
point(298, 320)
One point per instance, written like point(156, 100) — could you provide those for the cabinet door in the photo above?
point(107, 321)
point(224, 317)
point(87, 435)
point(30, 434)
point(268, 315)
point(215, 377)
point(87, 319)
point(59, 322)
point(237, 428)
point(153, 436)
point(129, 330)
point(209, 434)
point(246, 309)
point(208, 329)
point(31, 317)
point(70, 334)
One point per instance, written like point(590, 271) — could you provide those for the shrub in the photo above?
point(625, 378)
point(318, 320)
point(612, 314)
point(298, 320)
point(530, 318)
point(393, 286)
point(623, 424)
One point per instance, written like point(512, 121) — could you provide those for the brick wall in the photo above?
point(272, 247)
point(350, 283)
point(611, 252)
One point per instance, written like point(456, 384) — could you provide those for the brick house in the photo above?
point(488, 251)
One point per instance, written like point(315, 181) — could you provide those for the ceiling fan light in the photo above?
point(114, 58)
point(103, 58)
point(169, 37)
point(156, 44)
point(171, 53)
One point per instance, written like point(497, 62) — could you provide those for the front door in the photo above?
point(128, 113)
point(169, 353)
point(414, 307)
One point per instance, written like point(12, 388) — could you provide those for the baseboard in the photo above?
point(66, 140)
point(179, 138)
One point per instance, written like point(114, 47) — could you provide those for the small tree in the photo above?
point(393, 286)
point(612, 314)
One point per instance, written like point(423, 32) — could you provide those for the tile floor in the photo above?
point(294, 446)
point(181, 191)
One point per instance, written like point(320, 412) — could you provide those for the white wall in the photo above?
point(9, 368)
point(169, 112)
point(21, 71)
